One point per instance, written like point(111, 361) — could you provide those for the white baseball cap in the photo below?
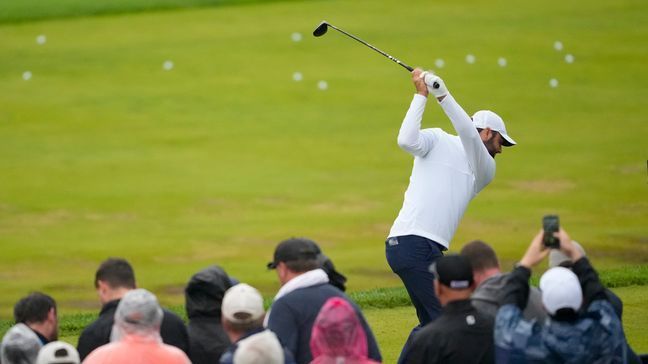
point(58, 352)
point(487, 119)
point(242, 304)
point(560, 289)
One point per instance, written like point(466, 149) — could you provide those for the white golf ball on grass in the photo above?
point(502, 62)
point(296, 37)
point(553, 83)
point(167, 65)
point(470, 59)
point(569, 58)
point(41, 39)
point(558, 45)
point(322, 85)
point(27, 75)
point(439, 63)
point(297, 76)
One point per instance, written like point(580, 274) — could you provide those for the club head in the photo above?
point(321, 29)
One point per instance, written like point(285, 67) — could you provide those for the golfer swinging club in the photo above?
point(448, 172)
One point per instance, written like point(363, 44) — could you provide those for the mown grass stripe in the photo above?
point(636, 275)
point(17, 11)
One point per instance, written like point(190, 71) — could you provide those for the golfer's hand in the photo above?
point(435, 85)
point(535, 253)
point(419, 82)
point(567, 247)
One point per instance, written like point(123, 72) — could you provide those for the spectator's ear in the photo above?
point(50, 326)
point(437, 288)
point(478, 276)
point(103, 291)
point(51, 314)
point(282, 272)
point(101, 286)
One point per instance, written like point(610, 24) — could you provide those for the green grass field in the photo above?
point(104, 153)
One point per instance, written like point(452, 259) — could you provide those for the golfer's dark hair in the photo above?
point(117, 272)
point(33, 308)
point(302, 265)
point(480, 255)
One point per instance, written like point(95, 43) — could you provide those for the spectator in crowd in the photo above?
point(36, 325)
point(113, 279)
point(573, 333)
point(490, 282)
point(203, 297)
point(136, 334)
point(559, 259)
point(304, 290)
point(242, 319)
point(336, 278)
point(58, 352)
point(38, 311)
point(20, 345)
point(337, 336)
point(462, 334)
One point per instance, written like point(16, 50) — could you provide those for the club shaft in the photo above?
point(372, 47)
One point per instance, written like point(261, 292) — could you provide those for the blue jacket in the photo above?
point(293, 315)
point(593, 336)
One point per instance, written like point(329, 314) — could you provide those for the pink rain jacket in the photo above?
point(338, 337)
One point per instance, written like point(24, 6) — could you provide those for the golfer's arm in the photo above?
point(480, 161)
point(410, 137)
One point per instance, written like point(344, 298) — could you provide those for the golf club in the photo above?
point(323, 27)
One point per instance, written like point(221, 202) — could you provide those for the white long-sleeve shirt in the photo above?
point(448, 172)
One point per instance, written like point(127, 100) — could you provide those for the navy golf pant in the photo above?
point(410, 257)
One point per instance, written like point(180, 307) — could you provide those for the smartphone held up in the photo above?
point(550, 225)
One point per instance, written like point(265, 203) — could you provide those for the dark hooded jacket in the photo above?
point(203, 297)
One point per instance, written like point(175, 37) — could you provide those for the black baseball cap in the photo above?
point(453, 271)
point(294, 249)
